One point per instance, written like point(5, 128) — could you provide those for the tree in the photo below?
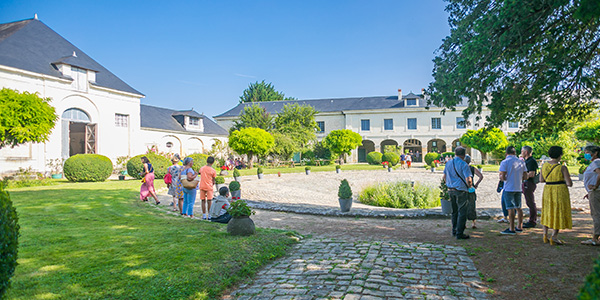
point(542, 143)
point(261, 92)
point(297, 122)
point(24, 117)
point(485, 140)
point(251, 141)
point(253, 116)
point(341, 142)
point(589, 132)
point(284, 146)
point(530, 61)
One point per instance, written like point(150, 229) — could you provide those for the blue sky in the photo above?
point(203, 54)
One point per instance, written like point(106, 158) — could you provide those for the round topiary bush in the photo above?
point(391, 158)
point(87, 168)
point(159, 163)
point(431, 156)
point(9, 235)
point(374, 158)
point(199, 160)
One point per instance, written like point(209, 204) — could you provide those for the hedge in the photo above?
point(400, 194)
point(451, 154)
point(391, 158)
point(431, 156)
point(87, 168)
point(9, 237)
point(374, 158)
point(199, 160)
point(591, 289)
point(159, 163)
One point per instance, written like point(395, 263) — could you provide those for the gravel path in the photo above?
point(320, 188)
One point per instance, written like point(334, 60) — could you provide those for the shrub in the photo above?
point(234, 186)
point(432, 164)
point(582, 169)
point(400, 194)
point(219, 180)
point(338, 167)
point(374, 158)
point(391, 157)
point(9, 237)
point(27, 178)
point(87, 167)
point(240, 208)
point(259, 170)
point(199, 160)
point(307, 168)
point(591, 288)
point(236, 173)
point(447, 154)
point(159, 163)
point(344, 191)
point(431, 156)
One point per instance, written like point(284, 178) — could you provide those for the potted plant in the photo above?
point(307, 170)
point(234, 188)
point(345, 196)
point(480, 168)
point(240, 223)
point(220, 181)
point(56, 166)
point(236, 175)
point(259, 172)
point(384, 164)
point(338, 169)
point(224, 171)
point(437, 163)
point(121, 166)
point(433, 166)
point(445, 198)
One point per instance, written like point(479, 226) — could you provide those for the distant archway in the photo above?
point(436, 145)
point(414, 148)
point(79, 134)
point(457, 143)
point(366, 147)
point(387, 143)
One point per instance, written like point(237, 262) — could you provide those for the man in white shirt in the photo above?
point(512, 172)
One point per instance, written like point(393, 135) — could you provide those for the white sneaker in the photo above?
point(503, 220)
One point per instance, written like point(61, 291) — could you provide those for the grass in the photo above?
point(98, 241)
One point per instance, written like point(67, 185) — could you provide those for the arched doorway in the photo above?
point(366, 147)
point(387, 143)
point(436, 145)
point(457, 143)
point(414, 148)
point(195, 145)
point(79, 133)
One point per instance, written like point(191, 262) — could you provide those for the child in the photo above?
point(218, 210)
point(207, 181)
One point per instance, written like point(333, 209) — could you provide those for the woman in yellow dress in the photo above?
point(556, 202)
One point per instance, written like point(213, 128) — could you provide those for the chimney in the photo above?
point(399, 94)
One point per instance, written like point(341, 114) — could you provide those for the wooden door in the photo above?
point(91, 132)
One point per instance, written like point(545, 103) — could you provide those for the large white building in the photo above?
point(98, 112)
point(401, 120)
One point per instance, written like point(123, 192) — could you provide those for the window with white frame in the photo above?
point(436, 123)
point(80, 81)
point(411, 123)
point(513, 124)
point(121, 120)
point(194, 121)
point(321, 126)
point(460, 123)
point(365, 125)
point(388, 124)
point(411, 102)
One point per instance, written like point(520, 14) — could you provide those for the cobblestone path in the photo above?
point(333, 269)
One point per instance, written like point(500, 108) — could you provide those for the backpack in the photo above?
point(168, 178)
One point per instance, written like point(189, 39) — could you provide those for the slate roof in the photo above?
point(32, 46)
point(164, 118)
point(333, 105)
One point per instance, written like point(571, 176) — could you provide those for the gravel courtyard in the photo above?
point(320, 188)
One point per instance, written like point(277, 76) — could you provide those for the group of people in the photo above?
point(405, 159)
point(184, 198)
point(518, 176)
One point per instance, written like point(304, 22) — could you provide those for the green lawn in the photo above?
point(98, 241)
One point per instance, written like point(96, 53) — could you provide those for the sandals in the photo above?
point(556, 242)
point(590, 242)
point(545, 238)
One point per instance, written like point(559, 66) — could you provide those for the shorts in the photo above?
point(206, 194)
point(511, 200)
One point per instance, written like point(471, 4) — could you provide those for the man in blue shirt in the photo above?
point(459, 181)
point(512, 172)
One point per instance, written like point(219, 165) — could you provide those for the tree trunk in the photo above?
point(341, 159)
point(483, 157)
point(250, 160)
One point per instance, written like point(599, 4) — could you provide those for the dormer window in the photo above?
point(411, 102)
point(194, 121)
point(80, 80)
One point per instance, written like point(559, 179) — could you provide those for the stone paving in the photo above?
point(320, 268)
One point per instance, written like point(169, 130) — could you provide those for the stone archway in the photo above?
point(79, 133)
point(436, 145)
point(366, 147)
point(387, 143)
point(457, 143)
point(413, 147)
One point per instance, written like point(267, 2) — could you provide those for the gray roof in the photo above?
point(164, 118)
point(32, 46)
point(332, 105)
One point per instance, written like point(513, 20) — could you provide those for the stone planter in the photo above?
point(219, 186)
point(389, 169)
point(480, 170)
point(224, 173)
point(307, 172)
point(241, 226)
point(56, 176)
point(446, 206)
point(338, 171)
point(260, 176)
point(235, 195)
point(345, 204)
point(432, 170)
point(121, 177)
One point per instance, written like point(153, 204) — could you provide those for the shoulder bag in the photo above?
point(190, 185)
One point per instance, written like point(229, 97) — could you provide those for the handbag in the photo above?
point(189, 184)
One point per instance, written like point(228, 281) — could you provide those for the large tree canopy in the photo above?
point(342, 141)
point(24, 117)
point(535, 61)
point(253, 116)
point(251, 141)
point(262, 91)
point(298, 123)
point(485, 140)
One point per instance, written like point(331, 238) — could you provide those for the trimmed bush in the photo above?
point(199, 160)
point(391, 158)
point(236, 173)
point(259, 170)
point(234, 186)
point(219, 180)
point(431, 156)
point(9, 237)
point(306, 168)
point(447, 154)
point(374, 158)
point(338, 167)
point(401, 195)
point(87, 168)
point(159, 163)
point(344, 191)
point(591, 289)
